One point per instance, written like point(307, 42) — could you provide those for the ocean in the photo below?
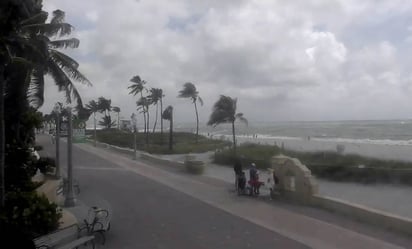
point(385, 139)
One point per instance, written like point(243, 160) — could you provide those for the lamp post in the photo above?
point(70, 198)
point(134, 123)
point(57, 110)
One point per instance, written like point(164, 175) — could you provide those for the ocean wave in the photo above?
point(265, 137)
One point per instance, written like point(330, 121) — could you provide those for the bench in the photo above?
point(65, 238)
point(97, 222)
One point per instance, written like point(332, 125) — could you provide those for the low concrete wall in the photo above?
point(304, 189)
point(364, 214)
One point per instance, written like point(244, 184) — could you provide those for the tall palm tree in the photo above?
point(156, 95)
point(224, 111)
point(25, 38)
point(137, 88)
point(168, 115)
point(117, 110)
point(93, 107)
point(189, 91)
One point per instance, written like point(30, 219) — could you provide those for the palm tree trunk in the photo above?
point(95, 135)
point(157, 114)
point(161, 119)
point(197, 122)
point(2, 139)
point(171, 132)
point(234, 138)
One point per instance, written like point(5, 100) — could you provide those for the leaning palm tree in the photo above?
point(156, 95)
point(93, 107)
point(117, 110)
point(168, 115)
point(189, 91)
point(224, 111)
point(138, 88)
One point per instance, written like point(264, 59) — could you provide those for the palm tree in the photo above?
point(107, 122)
point(143, 106)
point(224, 111)
point(117, 110)
point(168, 115)
point(189, 91)
point(156, 95)
point(93, 107)
point(105, 106)
point(136, 88)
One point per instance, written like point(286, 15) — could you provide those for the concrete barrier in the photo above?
point(364, 214)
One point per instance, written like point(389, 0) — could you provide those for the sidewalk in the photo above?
point(307, 230)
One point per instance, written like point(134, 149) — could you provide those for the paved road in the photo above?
point(147, 214)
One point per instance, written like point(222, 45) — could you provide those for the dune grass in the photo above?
point(158, 144)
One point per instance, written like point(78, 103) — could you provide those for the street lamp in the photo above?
point(70, 200)
point(57, 110)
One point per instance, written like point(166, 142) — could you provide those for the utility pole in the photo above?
point(57, 111)
point(70, 198)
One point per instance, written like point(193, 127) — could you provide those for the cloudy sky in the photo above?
point(283, 59)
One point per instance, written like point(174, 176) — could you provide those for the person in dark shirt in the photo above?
point(237, 167)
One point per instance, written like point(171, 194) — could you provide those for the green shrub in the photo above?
point(32, 213)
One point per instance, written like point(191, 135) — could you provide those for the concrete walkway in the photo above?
point(307, 230)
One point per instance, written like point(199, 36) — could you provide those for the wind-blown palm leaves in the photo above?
point(168, 115)
point(107, 122)
point(224, 111)
point(189, 91)
point(47, 59)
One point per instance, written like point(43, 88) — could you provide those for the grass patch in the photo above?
point(328, 165)
point(183, 142)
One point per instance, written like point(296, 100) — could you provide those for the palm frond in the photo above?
point(223, 111)
point(168, 113)
point(242, 119)
point(66, 43)
point(188, 91)
point(68, 65)
point(200, 100)
point(35, 19)
point(58, 16)
point(67, 60)
point(36, 88)
point(48, 29)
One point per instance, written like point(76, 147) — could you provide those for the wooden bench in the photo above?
point(66, 238)
point(97, 222)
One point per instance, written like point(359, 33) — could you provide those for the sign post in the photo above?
point(79, 132)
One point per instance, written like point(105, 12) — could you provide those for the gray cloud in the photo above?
point(284, 60)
